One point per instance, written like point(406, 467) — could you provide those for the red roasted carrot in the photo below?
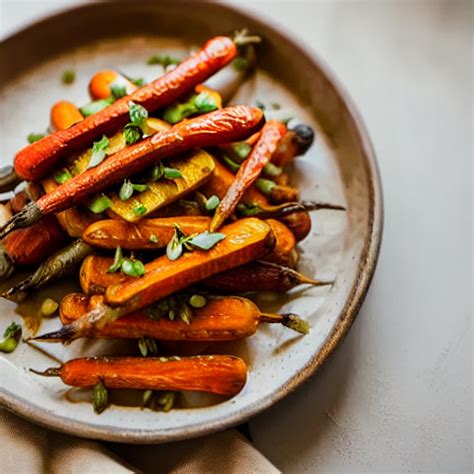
point(32, 245)
point(38, 159)
point(231, 123)
point(272, 132)
point(220, 374)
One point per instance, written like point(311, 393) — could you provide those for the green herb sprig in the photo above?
point(98, 152)
point(128, 266)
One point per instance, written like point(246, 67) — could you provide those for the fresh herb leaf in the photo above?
point(63, 176)
point(153, 239)
point(163, 60)
point(174, 249)
point(248, 209)
point(68, 76)
point(206, 240)
point(118, 90)
point(96, 106)
point(126, 190)
point(132, 133)
point(98, 152)
point(185, 313)
point(100, 204)
point(140, 188)
point(133, 268)
point(138, 268)
point(157, 172)
point(11, 338)
point(147, 396)
point(34, 137)
point(204, 103)
point(171, 173)
point(166, 401)
point(212, 202)
point(139, 209)
point(137, 114)
point(118, 260)
point(138, 81)
point(100, 397)
point(240, 63)
point(142, 346)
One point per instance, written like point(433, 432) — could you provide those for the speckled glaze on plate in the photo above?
point(340, 167)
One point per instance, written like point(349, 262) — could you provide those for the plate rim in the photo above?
point(349, 312)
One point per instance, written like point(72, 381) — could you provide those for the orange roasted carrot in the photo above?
point(222, 125)
point(284, 252)
point(38, 159)
point(295, 142)
point(64, 114)
point(244, 241)
point(101, 82)
point(224, 319)
point(299, 223)
point(147, 234)
point(220, 374)
point(272, 132)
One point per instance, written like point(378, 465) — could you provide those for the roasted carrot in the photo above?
point(222, 125)
point(146, 234)
point(244, 241)
point(295, 142)
point(223, 319)
point(272, 132)
point(299, 223)
point(32, 245)
point(259, 276)
point(102, 83)
point(37, 160)
point(220, 374)
point(64, 114)
point(284, 252)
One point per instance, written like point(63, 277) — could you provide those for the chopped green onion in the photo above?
point(140, 188)
point(231, 164)
point(68, 76)
point(265, 185)
point(100, 204)
point(63, 176)
point(248, 209)
point(242, 149)
point(34, 137)
point(171, 173)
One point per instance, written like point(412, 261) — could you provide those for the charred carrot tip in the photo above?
point(51, 372)
point(65, 334)
point(29, 215)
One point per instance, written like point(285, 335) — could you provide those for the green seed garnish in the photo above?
point(62, 176)
point(197, 301)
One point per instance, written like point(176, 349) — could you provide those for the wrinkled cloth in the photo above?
point(26, 448)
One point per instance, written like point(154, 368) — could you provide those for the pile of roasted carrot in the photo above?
point(168, 206)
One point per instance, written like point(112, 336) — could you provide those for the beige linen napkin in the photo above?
point(26, 448)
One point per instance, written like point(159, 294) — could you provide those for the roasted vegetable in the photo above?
point(107, 83)
point(8, 179)
point(220, 374)
point(295, 142)
point(272, 132)
point(64, 114)
point(146, 234)
point(55, 267)
point(245, 240)
point(223, 319)
point(230, 124)
point(37, 160)
point(32, 245)
point(259, 276)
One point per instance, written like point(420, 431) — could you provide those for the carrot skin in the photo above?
point(272, 133)
point(220, 374)
point(205, 130)
point(38, 159)
point(33, 244)
point(223, 319)
point(245, 240)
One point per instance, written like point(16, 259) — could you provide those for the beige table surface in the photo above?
point(397, 396)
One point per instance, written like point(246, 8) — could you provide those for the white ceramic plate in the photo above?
point(340, 168)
